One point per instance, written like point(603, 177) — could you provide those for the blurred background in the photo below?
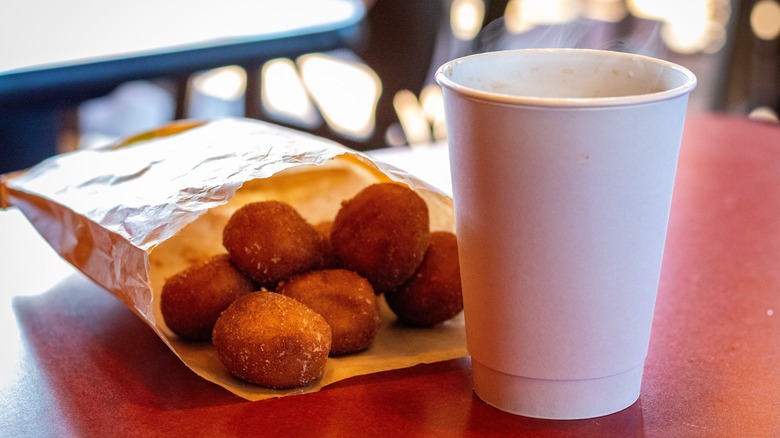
point(378, 90)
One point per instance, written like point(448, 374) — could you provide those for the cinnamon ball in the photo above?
point(433, 294)
point(346, 301)
point(192, 300)
point(270, 241)
point(272, 340)
point(382, 233)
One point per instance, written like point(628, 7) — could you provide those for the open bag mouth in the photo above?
point(132, 215)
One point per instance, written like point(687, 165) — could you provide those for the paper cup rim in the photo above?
point(447, 82)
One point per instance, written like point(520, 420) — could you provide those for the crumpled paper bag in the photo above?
point(132, 215)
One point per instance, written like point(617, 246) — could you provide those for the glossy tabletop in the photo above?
point(77, 362)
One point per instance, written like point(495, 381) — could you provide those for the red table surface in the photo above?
point(87, 366)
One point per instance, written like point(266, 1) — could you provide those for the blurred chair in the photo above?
point(752, 77)
point(401, 43)
point(395, 41)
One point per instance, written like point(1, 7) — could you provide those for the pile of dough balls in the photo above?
point(289, 294)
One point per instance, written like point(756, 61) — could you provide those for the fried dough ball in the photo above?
point(382, 234)
point(346, 301)
point(272, 340)
point(433, 294)
point(270, 241)
point(192, 300)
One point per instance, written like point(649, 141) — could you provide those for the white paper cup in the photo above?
point(563, 163)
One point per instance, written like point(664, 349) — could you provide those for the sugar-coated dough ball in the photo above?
point(192, 300)
point(346, 301)
point(270, 241)
point(382, 233)
point(272, 340)
point(433, 294)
